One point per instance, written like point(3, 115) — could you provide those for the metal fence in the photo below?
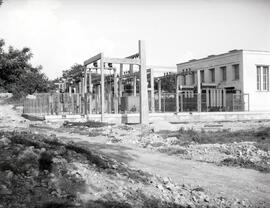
point(54, 104)
point(75, 103)
point(240, 102)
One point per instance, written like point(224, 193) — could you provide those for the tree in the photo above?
point(17, 75)
point(75, 72)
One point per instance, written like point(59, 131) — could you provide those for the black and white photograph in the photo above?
point(134, 104)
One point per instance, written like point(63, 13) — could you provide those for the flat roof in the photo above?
point(222, 54)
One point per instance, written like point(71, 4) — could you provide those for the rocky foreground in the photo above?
point(42, 171)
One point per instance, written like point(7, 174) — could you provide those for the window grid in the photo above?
point(262, 78)
point(259, 78)
point(265, 78)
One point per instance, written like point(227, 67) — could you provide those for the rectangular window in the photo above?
point(259, 78)
point(265, 78)
point(202, 75)
point(212, 75)
point(193, 77)
point(223, 73)
point(185, 80)
point(236, 71)
point(262, 78)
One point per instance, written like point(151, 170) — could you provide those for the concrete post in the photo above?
point(224, 98)
point(159, 95)
point(177, 93)
point(83, 96)
point(115, 93)
point(207, 99)
point(109, 96)
point(120, 84)
point(152, 90)
point(90, 91)
point(85, 90)
point(134, 86)
point(85, 80)
point(80, 97)
point(199, 102)
point(144, 109)
point(131, 69)
point(80, 87)
point(98, 98)
point(102, 88)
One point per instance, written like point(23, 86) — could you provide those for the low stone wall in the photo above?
point(170, 117)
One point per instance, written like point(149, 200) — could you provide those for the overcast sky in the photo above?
point(63, 32)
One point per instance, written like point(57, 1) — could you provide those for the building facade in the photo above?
point(243, 72)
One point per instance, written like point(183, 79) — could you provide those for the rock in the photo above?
point(166, 180)
point(4, 190)
point(172, 140)
point(28, 156)
point(42, 149)
point(206, 199)
point(4, 141)
point(162, 125)
point(9, 175)
point(194, 198)
point(160, 187)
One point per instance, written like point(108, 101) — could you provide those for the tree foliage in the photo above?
point(75, 73)
point(167, 84)
point(17, 75)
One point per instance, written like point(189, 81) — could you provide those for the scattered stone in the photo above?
point(172, 140)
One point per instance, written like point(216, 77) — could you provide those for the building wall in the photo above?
point(227, 59)
point(247, 83)
point(259, 100)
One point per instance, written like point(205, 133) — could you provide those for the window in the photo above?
point(223, 73)
point(212, 75)
point(202, 75)
point(263, 78)
point(193, 77)
point(236, 71)
point(185, 80)
point(259, 78)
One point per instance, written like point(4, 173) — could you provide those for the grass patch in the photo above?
point(241, 162)
point(261, 136)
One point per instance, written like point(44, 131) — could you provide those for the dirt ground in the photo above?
point(241, 187)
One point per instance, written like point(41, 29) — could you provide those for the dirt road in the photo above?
point(10, 119)
point(227, 182)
